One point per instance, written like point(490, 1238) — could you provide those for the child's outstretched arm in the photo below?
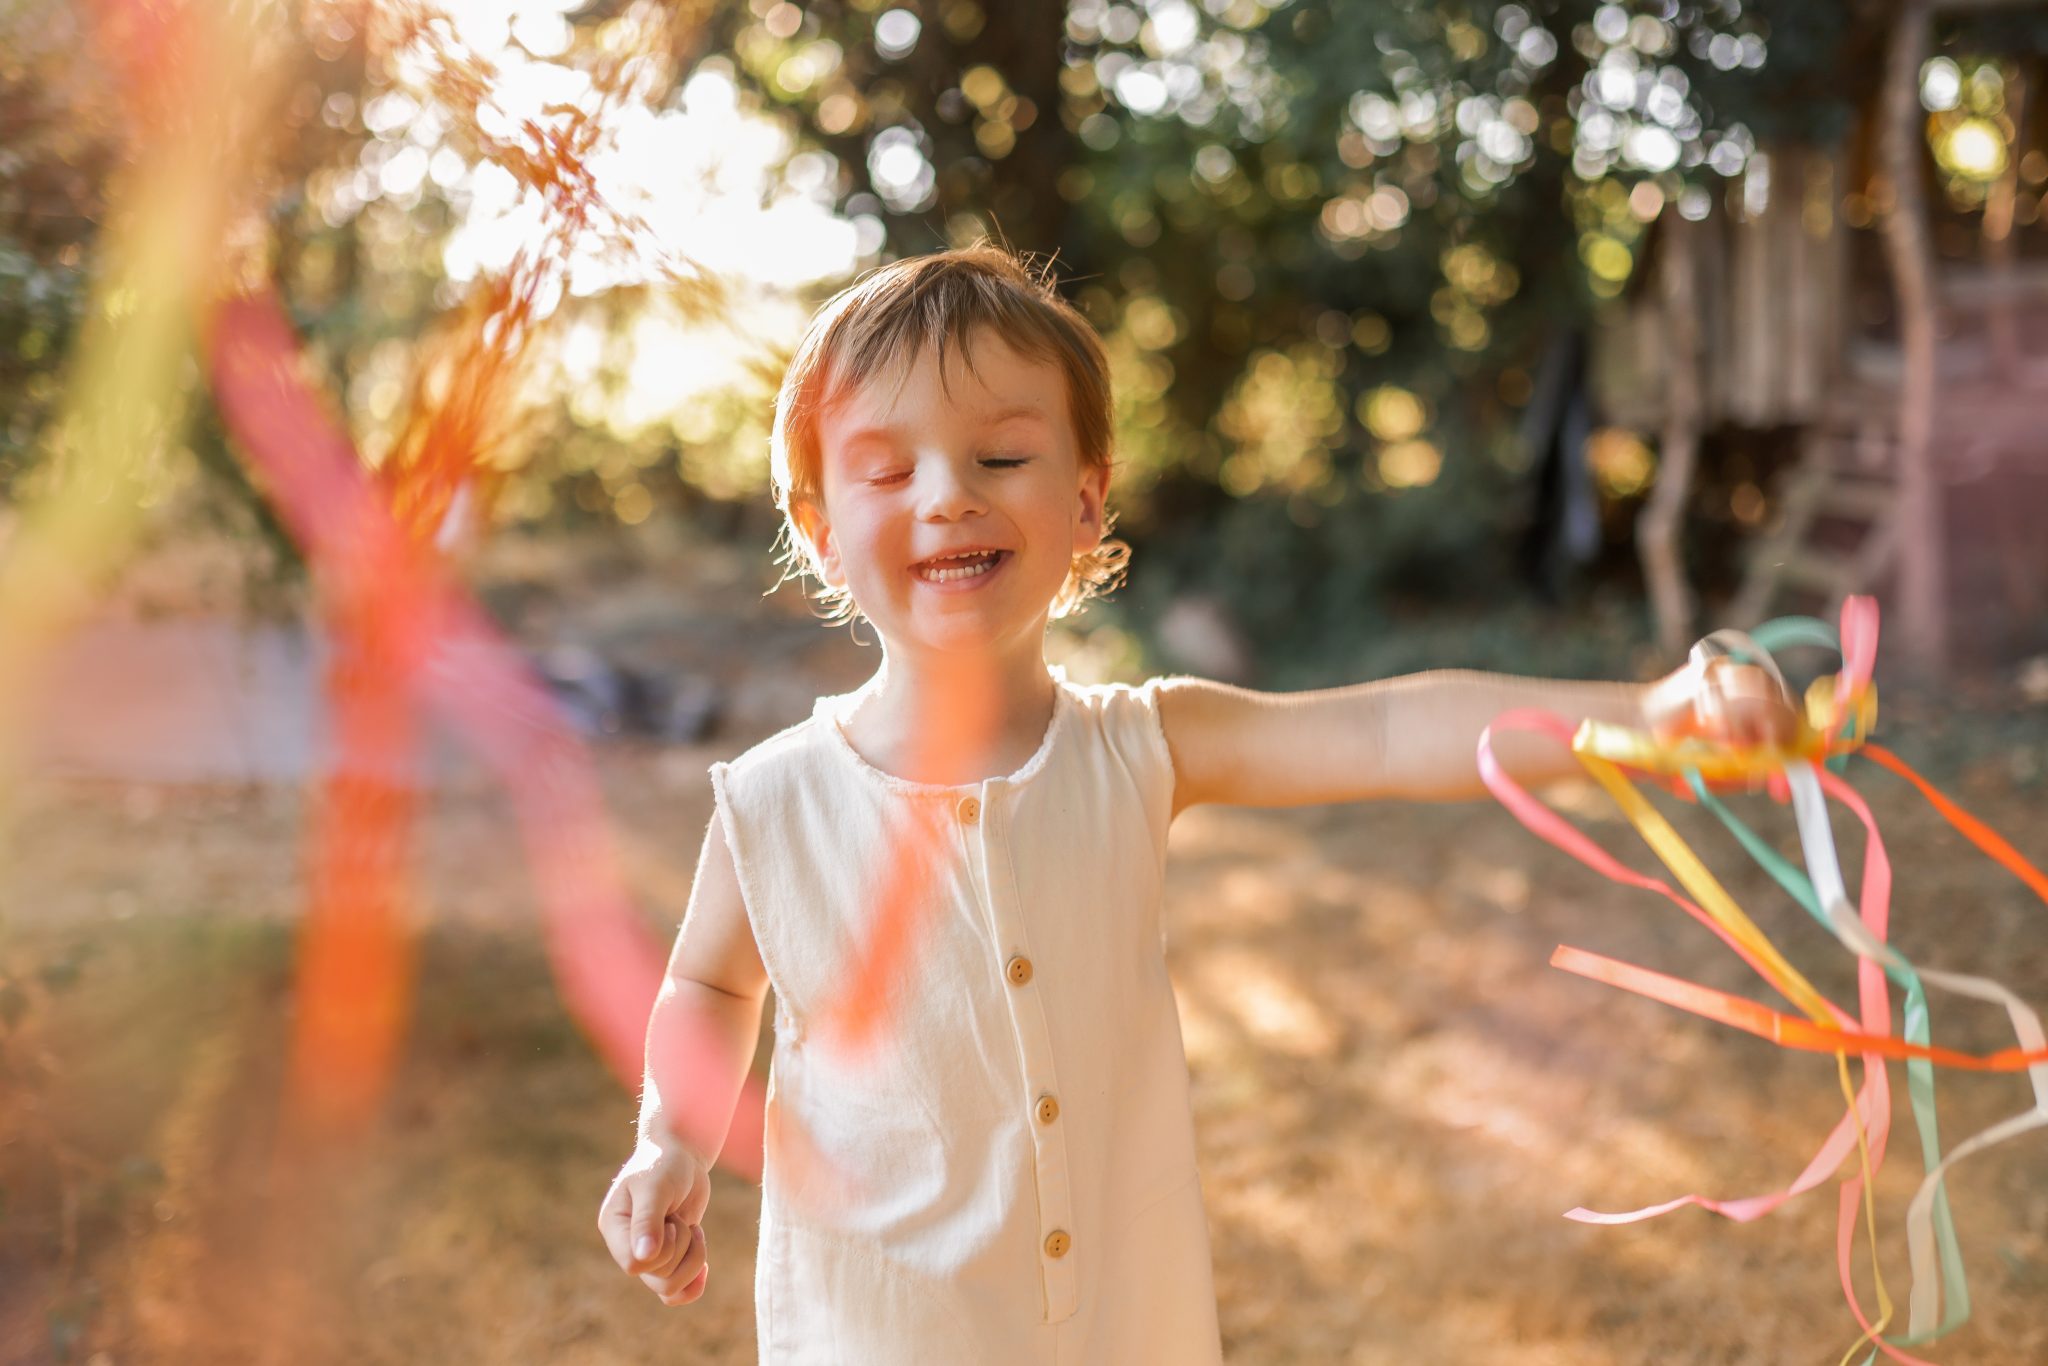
point(700, 1038)
point(1418, 736)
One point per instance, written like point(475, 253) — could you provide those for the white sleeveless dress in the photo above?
point(1008, 1178)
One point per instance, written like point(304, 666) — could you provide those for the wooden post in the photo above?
point(1660, 525)
point(2001, 321)
point(1923, 608)
point(1751, 288)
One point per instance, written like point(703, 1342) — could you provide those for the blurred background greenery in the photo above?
point(1332, 244)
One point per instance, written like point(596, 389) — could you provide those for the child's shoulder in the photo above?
point(1114, 699)
point(1110, 710)
point(786, 746)
point(1124, 714)
point(1142, 691)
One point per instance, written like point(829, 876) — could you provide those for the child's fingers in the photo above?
point(615, 1224)
point(1763, 721)
point(650, 1212)
point(685, 1284)
point(675, 1241)
point(1760, 716)
point(1743, 704)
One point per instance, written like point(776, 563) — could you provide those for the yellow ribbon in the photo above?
point(1600, 747)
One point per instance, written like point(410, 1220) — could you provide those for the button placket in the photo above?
point(1024, 997)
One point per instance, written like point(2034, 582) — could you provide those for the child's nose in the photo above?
point(950, 493)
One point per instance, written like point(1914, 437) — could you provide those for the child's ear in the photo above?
point(1093, 491)
point(814, 528)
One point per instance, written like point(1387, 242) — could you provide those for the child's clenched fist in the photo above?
point(1721, 699)
point(652, 1220)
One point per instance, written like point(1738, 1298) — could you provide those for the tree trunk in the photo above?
point(1660, 528)
point(1755, 321)
point(1923, 608)
point(2001, 320)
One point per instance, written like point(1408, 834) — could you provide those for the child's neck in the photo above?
point(952, 719)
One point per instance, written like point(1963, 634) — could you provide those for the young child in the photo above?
point(1007, 1174)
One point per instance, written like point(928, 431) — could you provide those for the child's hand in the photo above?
point(652, 1220)
point(1721, 699)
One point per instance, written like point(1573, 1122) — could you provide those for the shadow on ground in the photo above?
point(1396, 1099)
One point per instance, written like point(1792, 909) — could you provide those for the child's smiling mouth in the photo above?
point(960, 569)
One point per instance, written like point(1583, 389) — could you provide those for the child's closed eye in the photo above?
point(994, 462)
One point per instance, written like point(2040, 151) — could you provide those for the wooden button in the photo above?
point(1019, 970)
point(970, 810)
point(1048, 1109)
point(1057, 1243)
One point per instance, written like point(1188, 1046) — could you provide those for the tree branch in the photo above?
point(1941, 7)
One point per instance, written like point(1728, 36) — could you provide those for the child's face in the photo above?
point(985, 461)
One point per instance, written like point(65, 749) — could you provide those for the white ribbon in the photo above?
point(1817, 842)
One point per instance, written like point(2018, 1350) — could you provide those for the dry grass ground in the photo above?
point(1396, 1099)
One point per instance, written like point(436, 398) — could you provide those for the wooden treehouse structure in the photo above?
point(1903, 341)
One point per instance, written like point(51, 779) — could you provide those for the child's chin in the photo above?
point(957, 631)
point(960, 632)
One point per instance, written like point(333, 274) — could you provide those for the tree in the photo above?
point(1326, 242)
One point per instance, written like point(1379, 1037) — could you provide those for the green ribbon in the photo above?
point(1774, 636)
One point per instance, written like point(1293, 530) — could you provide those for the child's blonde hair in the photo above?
point(886, 321)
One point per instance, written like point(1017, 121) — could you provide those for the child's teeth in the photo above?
point(967, 572)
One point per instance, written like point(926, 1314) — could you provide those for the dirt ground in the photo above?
point(1396, 1098)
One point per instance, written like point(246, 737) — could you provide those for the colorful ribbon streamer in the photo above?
point(1838, 715)
point(1866, 1123)
point(1920, 1086)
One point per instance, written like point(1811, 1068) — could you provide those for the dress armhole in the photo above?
point(743, 873)
point(1150, 733)
point(1147, 694)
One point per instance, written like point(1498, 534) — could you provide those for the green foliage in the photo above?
point(65, 150)
point(1286, 216)
point(52, 166)
point(1276, 211)
point(356, 255)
